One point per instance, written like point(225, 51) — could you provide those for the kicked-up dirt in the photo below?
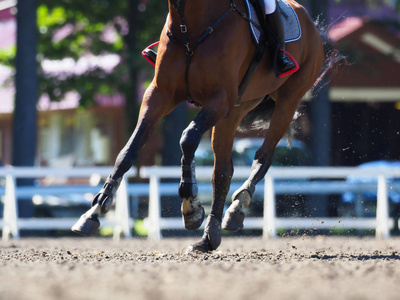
point(242, 268)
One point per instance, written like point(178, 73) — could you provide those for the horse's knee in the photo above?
point(206, 119)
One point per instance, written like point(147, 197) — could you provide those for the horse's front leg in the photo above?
point(151, 111)
point(221, 179)
point(192, 211)
point(280, 122)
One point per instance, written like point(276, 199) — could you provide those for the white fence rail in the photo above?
point(269, 223)
point(12, 224)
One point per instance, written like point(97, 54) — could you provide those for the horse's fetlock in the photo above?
point(105, 197)
point(242, 195)
point(188, 190)
point(106, 205)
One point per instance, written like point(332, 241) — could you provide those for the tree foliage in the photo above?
point(97, 27)
point(77, 30)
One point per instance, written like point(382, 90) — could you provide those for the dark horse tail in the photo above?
point(260, 117)
point(332, 59)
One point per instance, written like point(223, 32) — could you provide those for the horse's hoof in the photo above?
point(234, 217)
point(193, 218)
point(203, 246)
point(212, 232)
point(86, 226)
point(88, 223)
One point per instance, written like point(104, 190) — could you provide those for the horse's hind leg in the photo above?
point(280, 121)
point(192, 211)
point(287, 97)
point(150, 113)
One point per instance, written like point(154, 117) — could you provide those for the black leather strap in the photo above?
point(110, 186)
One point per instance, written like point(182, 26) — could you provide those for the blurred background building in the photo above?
point(364, 94)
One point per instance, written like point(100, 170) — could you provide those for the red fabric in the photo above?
point(145, 56)
point(144, 53)
point(295, 69)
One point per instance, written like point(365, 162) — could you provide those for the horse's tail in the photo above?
point(332, 59)
point(260, 118)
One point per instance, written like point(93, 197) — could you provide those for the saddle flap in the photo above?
point(290, 20)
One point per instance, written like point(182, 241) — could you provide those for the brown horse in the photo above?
point(204, 61)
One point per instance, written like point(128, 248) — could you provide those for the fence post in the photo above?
point(122, 212)
point(154, 208)
point(382, 209)
point(269, 229)
point(10, 211)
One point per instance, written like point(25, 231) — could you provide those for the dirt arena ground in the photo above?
point(243, 268)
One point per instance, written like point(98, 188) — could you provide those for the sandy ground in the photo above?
point(243, 268)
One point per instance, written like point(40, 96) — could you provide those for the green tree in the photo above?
point(98, 27)
point(74, 29)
